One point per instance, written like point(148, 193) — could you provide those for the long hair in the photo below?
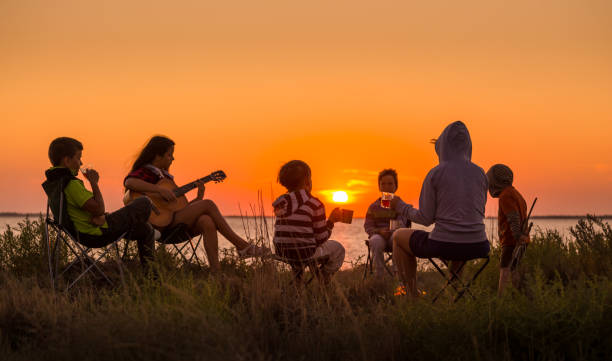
point(158, 145)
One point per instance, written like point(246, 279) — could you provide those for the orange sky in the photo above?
point(351, 87)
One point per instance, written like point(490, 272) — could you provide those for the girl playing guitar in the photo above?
point(200, 215)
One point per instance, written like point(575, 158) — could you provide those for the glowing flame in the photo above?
point(400, 291)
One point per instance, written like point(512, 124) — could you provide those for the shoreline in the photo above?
point(551, 216)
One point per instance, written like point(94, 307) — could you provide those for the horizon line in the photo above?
point(541, 216)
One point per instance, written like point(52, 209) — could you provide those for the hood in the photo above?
point(288, 203)
point(57, 179)
point(57, 173)
point(499, 176)
point(454, 143)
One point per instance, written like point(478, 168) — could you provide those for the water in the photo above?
point(352, 236)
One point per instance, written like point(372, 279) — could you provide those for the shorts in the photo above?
point(423, 247)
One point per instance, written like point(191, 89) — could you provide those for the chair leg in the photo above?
point(467, 286)
point(456, 277)
point(94, 264)
point(56, 252)
point(453, 279)
point(194, 250)
point(389, 257)
point(125, 249)
point(298, 272)
point(313, 273)
point(180, 251)
point(119, 264)
point(76, 260)
point(450, 281)
point(368, 262)
point(443, 275)
point(50, 256)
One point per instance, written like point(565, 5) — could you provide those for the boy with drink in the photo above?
point(91, 226)
point(301, 230)
point(381, 220)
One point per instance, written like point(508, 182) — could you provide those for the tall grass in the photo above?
point(251, 311)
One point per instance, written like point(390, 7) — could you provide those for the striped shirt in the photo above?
point(300, 225)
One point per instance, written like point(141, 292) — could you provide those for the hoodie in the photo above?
point(300, 224)
point(57, 180)
point(454, 193)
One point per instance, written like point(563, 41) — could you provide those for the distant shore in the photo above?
point(16, 214)
point(551, 216)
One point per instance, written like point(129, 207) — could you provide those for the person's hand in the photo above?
point(98, 220)
point(166, 194)
point(92, 176)
point(335, 215)
point(201, 189)
point(395, 201)
point(524, 239)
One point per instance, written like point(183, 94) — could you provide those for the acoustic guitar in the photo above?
point(165, 208)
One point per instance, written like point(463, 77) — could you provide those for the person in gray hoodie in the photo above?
point(453, 197)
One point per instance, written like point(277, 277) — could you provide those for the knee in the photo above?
point(141, 207)
point(206, 223)
point(401, 239)
point(402, 235)
point(377, 243)
point(339, 249)
point(207, 203)
point(143, 201)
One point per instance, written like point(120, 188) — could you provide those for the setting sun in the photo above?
point(340, 197)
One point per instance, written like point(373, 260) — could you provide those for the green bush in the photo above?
point(23, 250)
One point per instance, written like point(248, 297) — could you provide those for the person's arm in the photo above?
point(95, 204)
point(141, 186)
point(369, 225)
point(425, 215)
point(510, 209)
point(322, 228)
point(201, 190)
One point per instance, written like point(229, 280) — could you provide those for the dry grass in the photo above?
point(251, 312)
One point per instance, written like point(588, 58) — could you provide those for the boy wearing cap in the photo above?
point(512, 217)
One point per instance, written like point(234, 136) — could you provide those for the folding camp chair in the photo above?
point(188, 251)
point(298, 266)
point(388, 254)
point(58, 222)
point(453, 277)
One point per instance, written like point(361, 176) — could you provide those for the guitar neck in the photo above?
point(180, 191)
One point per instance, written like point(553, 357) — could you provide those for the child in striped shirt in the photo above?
point(301, 230)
